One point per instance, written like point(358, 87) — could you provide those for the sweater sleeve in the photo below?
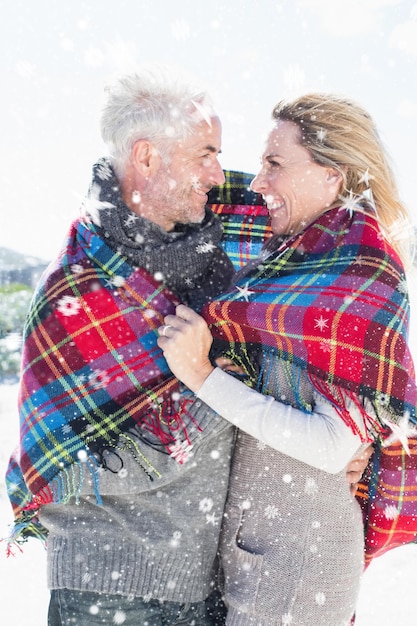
point(320, 439)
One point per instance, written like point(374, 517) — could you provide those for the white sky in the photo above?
point(56, 57)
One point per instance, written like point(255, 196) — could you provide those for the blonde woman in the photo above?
point(320, 319)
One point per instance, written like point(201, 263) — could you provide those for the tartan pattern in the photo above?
point(388, 497)
point(333, 301)
point(244, 229)
point(94, 264)
point(91, 368)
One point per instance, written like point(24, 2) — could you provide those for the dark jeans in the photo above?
point(81, 608)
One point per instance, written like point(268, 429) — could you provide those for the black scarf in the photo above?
point(188, 258)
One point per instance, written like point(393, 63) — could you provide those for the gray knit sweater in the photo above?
point(149, 539)
point(292, 538)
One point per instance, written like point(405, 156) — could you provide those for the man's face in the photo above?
point(178, 191)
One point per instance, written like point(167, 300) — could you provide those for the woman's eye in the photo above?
point(271, 164)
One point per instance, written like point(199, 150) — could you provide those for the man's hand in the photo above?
point(357, 466)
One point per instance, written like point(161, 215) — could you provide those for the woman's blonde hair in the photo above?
point(341, 134)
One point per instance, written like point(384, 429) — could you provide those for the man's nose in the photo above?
point(217, 174)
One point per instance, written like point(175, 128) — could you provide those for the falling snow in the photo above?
point(245, 292)
point(321, 323)
point(68, 306)
point(391, 576)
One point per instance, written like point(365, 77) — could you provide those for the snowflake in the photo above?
point(205, 505)
point(98, 379)
point(325, 346)
point(368, 195)
point(66, 429)
point(244, 292)
point(117, 281)
point(383, 399)
point(294, 77)
point(321, 323)
point(119, 617)
point(104, 171)
point(287, 619)
point(311, 487)
point(176, 539)
point(76, 268)
point(400, 432)
point(181, 451)
point(320, 598)
point(12, 487)
point(131, 219)
point(69, 305)
point(349, 203)
point(92, 203)
point(212, 519)
point(403, 287)
point(366, 177)
point(205, 247)
point(321, 135)
point(261, 445)
point(391, 511)
point(180, 29)
point(271, 511)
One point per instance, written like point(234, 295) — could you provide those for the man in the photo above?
point(121, 468)
point(132, 504)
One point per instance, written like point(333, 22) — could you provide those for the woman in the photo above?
point(320, 318)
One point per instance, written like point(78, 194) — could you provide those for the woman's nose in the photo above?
point(258, 183)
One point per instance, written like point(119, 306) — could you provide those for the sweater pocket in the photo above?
point(242, 569)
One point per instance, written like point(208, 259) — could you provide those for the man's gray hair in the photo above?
point(153, 105)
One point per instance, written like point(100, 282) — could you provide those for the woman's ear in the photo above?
point(333, 175)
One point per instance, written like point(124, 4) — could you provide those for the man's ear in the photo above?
point(144, 157)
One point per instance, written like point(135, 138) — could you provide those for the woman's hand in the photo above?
point(186, 341)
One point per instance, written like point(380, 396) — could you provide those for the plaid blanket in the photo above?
point(388, 495)
point(333, 301)
point(92, 371)
point(244, 217)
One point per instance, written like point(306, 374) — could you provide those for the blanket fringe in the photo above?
point(66, 485)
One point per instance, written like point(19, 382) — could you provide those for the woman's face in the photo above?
point(295, 188)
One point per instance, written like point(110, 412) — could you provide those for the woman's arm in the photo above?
point(320, 439)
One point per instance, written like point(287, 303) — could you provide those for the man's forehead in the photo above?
point(204, 137)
